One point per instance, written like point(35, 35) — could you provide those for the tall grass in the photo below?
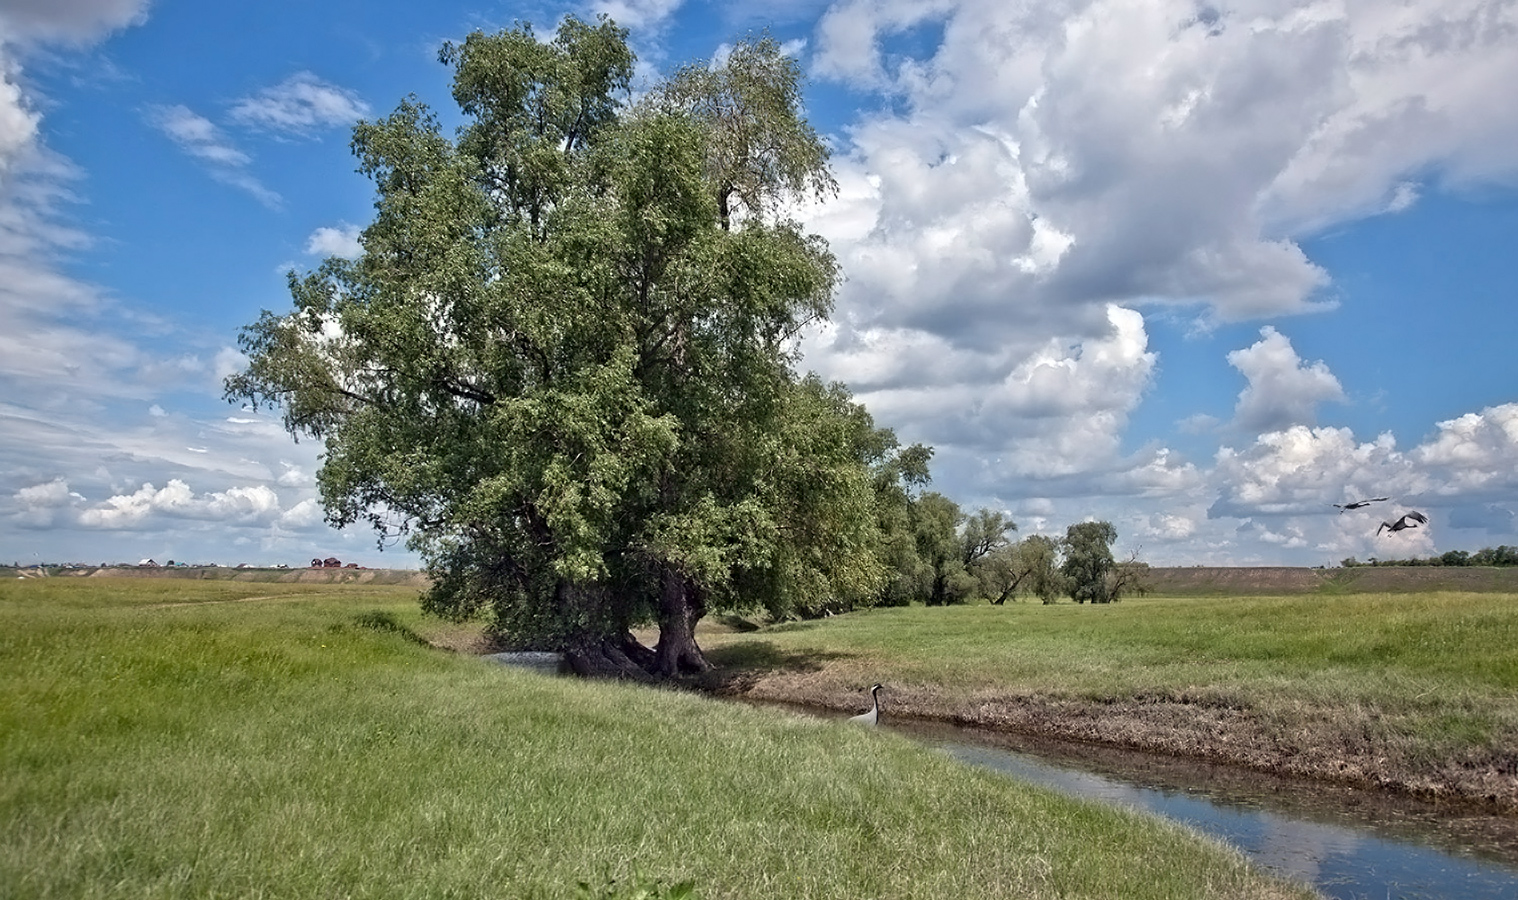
point(297, 741)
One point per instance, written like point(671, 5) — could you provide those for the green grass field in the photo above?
point(1418, 687)
point(163, 738)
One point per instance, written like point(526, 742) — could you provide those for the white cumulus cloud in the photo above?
point(18, 121)
point(1282, 390)
point(340, 240)
point(1041, 161)
point(256, 504)
point(1303, 470)
point(1474, 456)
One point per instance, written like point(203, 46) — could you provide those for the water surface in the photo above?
point(1347, 843)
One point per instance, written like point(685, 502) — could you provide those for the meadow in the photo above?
point(1410, 691)
point(172, 738)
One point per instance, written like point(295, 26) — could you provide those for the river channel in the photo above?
point(1348, 843)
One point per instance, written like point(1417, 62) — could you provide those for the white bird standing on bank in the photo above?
point(871, 717)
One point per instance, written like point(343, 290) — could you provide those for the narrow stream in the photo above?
point(1349, 844)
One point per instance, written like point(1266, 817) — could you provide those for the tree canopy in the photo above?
point(1088, 561)
point(562, 368)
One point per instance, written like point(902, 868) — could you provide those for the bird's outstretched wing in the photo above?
point(1357, 504)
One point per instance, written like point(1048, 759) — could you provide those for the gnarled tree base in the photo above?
point(626, 659)
point(621, 658)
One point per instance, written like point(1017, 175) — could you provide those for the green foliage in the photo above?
point(759, 151)
point(1128, 577)
point(1502, 555)
point(934, 552)
point(935, 523)
point(1027, 566)
point(899, 475)
point(1088, 561)
point(561, 368)
point(984, 531)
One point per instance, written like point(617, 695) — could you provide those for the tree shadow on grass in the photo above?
point(743, 663)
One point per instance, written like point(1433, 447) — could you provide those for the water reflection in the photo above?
point(1348, 844)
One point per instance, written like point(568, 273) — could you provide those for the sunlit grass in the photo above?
point(305, 745)
point(1444, 639)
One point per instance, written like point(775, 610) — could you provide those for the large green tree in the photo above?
point(561, 367)
point(1088, 561)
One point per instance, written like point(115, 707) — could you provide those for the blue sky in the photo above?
point(1199, 269)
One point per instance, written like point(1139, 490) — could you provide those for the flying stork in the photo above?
point(1409, 520)
point(1358, 503)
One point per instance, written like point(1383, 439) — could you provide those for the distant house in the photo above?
point(332, 562)
point(316, 563)
point(148, 564)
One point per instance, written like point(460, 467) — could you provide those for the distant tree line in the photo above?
point(1502, 555)
point(941, 555)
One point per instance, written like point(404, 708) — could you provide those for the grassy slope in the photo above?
point(162, 738)
point(1414, 690)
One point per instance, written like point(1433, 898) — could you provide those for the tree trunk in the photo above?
point(940, 593)
point(605, 648)
point(1009, 590)
point(610, 658)
point(680, 608)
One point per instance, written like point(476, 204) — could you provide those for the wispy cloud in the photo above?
point(92, 417)
point(197, 135)
point(299, 105)
point(200, 138)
